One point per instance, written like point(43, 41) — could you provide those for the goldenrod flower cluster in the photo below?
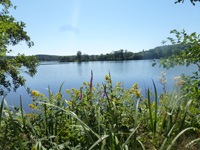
point(108, 79)
point(134, 90)
point(32, 106)
point(29, 115)
point(153, 105)
point(137, 93)
point(35, 93)
point(118, 83)
point(69, 103)
point(58, 95)
point(67, 91)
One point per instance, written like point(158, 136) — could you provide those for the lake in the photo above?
point(74, 74)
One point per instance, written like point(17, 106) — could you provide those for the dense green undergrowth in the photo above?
point(106, 117)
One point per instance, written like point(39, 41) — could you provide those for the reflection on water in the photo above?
point(74, 74)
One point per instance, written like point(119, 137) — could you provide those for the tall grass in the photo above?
point(100, 117)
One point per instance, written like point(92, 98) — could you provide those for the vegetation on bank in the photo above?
point(103, 116)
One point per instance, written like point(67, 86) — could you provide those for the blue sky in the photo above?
point(63, 27)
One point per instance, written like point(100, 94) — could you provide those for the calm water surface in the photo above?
point(74, 74)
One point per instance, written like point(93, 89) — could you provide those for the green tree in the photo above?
point(192, 1)
point(79, 55)
point(190, 54)
point(11, 33)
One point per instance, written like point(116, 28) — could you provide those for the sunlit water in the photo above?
point(73, 75)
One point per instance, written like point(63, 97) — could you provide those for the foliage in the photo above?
point(100, 117)
point(189, 55)
point(79, 56)
point(11, 33)
point(192, 1)
point(120, 55)
point(47, 57)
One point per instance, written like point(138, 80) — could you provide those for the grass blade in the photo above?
point(174, 140)
point(156, 106)
point(150, 111)
point(22, 112)
point(61, 87)
point(14, 126)
point(127, 140)
point(1, 110)
point(163, 144)
point(98, 141)
point(183, 120)
point(192, 142)
point(141, 144)
point(99, 129)
point(135, 124)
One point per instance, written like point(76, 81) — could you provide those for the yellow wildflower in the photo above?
point(97, 92)
point(117, 88)
point(81, 87)
point(34, 99)
point(94, 89)
point(66, 108)
point(31, 105)
point(42, 95)
point(67, 91)
point(98, 84)
point(110, 84)
point(84, 83)
point(99, 89)
point(34, 148)
point(29, 115)
point(46, 98)
point(59, 96)
point(102, 87)
point(69, 102)
point(137, 93)
point(135, 85)
point(39, 99)
point(73, 89)
point(35, 93)
point(127, 90)
point(153, 104)
point(107, 77)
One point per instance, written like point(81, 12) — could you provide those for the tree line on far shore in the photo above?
point(155, 53)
